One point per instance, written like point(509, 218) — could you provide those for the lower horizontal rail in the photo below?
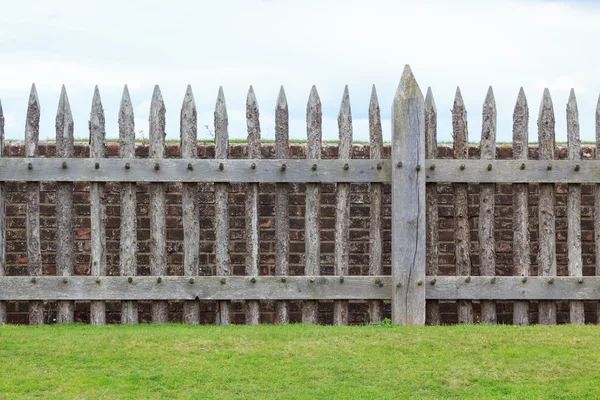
point(23, 288)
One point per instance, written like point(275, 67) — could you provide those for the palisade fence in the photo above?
point(415, 287)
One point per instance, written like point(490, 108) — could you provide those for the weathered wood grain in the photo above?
point(34, 254)
point(202, 170)
point(408, 203)
point(312, 218)
point(158, 204)
point(547, 230)
point(487, 242)
point(597, 205)
point(252, 231)
point(282, 223)
point(2, 220)
point(128, 228)
point(375, 216)
point(461, 215)
point(65, 243)
point(97, 207)
point(342, 208)
point(223, 267)
point(575, 260)
point(432, 221)
point(189, 203)
point(521, 240)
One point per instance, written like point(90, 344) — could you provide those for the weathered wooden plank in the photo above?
point(189, 203)
point(521, 241)
point(22, 288)
point(575, 263)
point(2, 220)
point(252, 231)
point(375, 216)
point(547, 230)
point(461, 215)
point(408, 203)
point(158, 205)
point(202, 170)
point(282, 223)
point(487, 242)
point(310, 310)
point(97, 207)
point(65, 244)
point(223, 267)
point(34, 254)
point(597, 205)
point(432, 221)
point(128, 229)
point(197, 287)
point(342, 208)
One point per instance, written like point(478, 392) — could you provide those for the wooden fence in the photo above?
point(414, 287)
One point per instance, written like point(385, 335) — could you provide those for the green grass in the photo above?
point(299, 362)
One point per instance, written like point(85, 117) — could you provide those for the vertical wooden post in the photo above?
point(487, 241)
point(342, 208)
point(65, 245)
point(375, 220)
point(547, 230)
point(97, 207)
point(223, 267)
point(34, 254)
point(597, 206)
point(521, 241)
point(189, 203)
point(575, 264)
point(408, 203)
point(2, 220)
point(282, 223)
point(128, 229)
point(310, 308)
point(462, 239)
point(433, 306)
point(157, 209)
point(252, 250)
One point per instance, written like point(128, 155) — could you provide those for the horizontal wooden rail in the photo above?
point(21, 288)
point(293, 171)
point(193, 170)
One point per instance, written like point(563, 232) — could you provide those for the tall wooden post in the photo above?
point(2, 221)
point(408, 203)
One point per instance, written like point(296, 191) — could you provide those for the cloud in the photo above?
point(474, 44)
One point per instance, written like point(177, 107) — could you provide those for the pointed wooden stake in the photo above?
point(282, 224)
point(432, 268)
point(189, 196)
point(252, 230)
point(342, 213)
point(158, 207)
point(310, 308)
point(222, 258)
point(375, 216)
point(547, 230)
point(461, 215)
point(521, 240)
point(575, 260)
point(487, 241)
point(97, 207)
point(65, 244)
point(597, 204)
point(128, 229)
point(34, 254)
point(408, 203)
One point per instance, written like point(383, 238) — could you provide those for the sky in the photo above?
point(267, 43)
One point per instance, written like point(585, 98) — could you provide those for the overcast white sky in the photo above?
point(268, 43)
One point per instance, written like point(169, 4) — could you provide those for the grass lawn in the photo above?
point(299, 362)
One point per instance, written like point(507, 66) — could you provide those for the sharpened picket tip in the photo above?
point(429, 100)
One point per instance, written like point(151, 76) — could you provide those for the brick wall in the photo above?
point(359, 248)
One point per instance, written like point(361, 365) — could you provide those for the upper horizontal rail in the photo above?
point(292, 171)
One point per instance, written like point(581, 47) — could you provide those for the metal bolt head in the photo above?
point(379, 166)
point(432, 167)
point(65, 281)
point(156, 166)
point(253, 280)
point(580, 280)
point(97, 166)
point(98, 281)
point(399, 165)
point(191, 281)
point(462, 167)
point(341, 279)
point(159, 279)
point(283, 167)
point(253, 166)
point(283, 280)
point(550, 281)
point(314, 167)
point(33, 280)
point(549, 167)
point(221, 166)
point(493, 280)
point(433, 281)
point(29, 166)
point(346, 167)
point(127, 166)
point(489, 167)
point(312, 280)
point(130, 280)
point(418, 168)
point(468, 279)
point(577, 167)
point(420, 282)
point(190, 167)
point(522, 166)
point(64, 165)
point(223, 281)
point(524, 279)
